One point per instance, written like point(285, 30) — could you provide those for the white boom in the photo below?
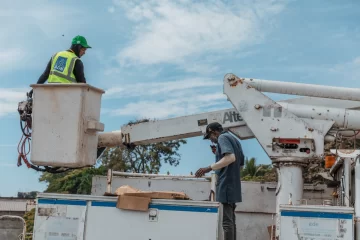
point(194, 125)
point(311, 90)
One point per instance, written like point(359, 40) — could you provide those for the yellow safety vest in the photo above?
point(62, 66)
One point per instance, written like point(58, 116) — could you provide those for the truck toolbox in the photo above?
point(75, 217)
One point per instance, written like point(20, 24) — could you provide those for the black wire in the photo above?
point(23, 129)
point(53, 170)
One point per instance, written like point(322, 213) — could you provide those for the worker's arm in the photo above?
point(228, 154)
point(79, 71)
point(42, 79)
point(225, 161)
point(227, 151)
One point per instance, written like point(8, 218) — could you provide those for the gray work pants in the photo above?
point(229, 224)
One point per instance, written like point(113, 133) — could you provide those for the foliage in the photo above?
point(143, 158)
point(27, 194)
point(29, 219)
point(258, 173)
point(73, 182)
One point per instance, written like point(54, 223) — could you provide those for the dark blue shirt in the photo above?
point(228, 187)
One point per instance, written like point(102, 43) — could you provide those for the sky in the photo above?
point(162, 59)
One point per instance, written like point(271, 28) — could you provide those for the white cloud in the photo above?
point(8, 165)
point(349, 72)
point(9, 57)
point(9, 99)
point(159, 88)
point(34, 30)
point(172, 107)
point(179, 31)
point(166, 99)
point(41, 15)
point(111, 9)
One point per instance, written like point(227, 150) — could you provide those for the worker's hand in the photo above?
point(202, 171)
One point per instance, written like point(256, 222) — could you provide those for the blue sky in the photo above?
point(161, 59)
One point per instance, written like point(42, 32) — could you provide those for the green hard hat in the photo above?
point(80, 40)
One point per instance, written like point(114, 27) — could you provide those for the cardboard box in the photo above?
point(130, 191)
point(134, 203)
point(159, 195)
point(126, 189)
point(133, 199)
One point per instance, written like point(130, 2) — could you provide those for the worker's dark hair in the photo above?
point(76, 48)
point(217, 128)
point(214, 126)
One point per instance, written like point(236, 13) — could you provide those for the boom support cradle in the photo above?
point(281, 133)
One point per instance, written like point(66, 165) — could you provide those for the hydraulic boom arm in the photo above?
point(184, 127)
point(283, 129)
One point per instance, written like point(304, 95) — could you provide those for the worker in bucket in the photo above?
point(66, 66)
point(229, 160)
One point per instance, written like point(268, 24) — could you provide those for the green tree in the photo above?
point(27, 194)
point(73, 182)
point(258, 173)
point(249, 167)
point(143, 158)
point(29, 220)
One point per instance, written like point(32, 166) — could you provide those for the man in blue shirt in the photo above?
point(229, 159)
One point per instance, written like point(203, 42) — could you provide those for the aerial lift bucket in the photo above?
point(65, 125)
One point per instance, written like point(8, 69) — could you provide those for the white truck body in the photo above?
point(86, 217)
point(253, 216)
point(316, 222)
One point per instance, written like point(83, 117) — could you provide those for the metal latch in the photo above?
point(153, 215)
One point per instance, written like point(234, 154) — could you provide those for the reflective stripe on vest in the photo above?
point(62, 67)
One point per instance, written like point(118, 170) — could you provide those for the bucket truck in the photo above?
point(65, 134)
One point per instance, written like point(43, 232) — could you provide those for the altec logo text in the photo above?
point(231, 116)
